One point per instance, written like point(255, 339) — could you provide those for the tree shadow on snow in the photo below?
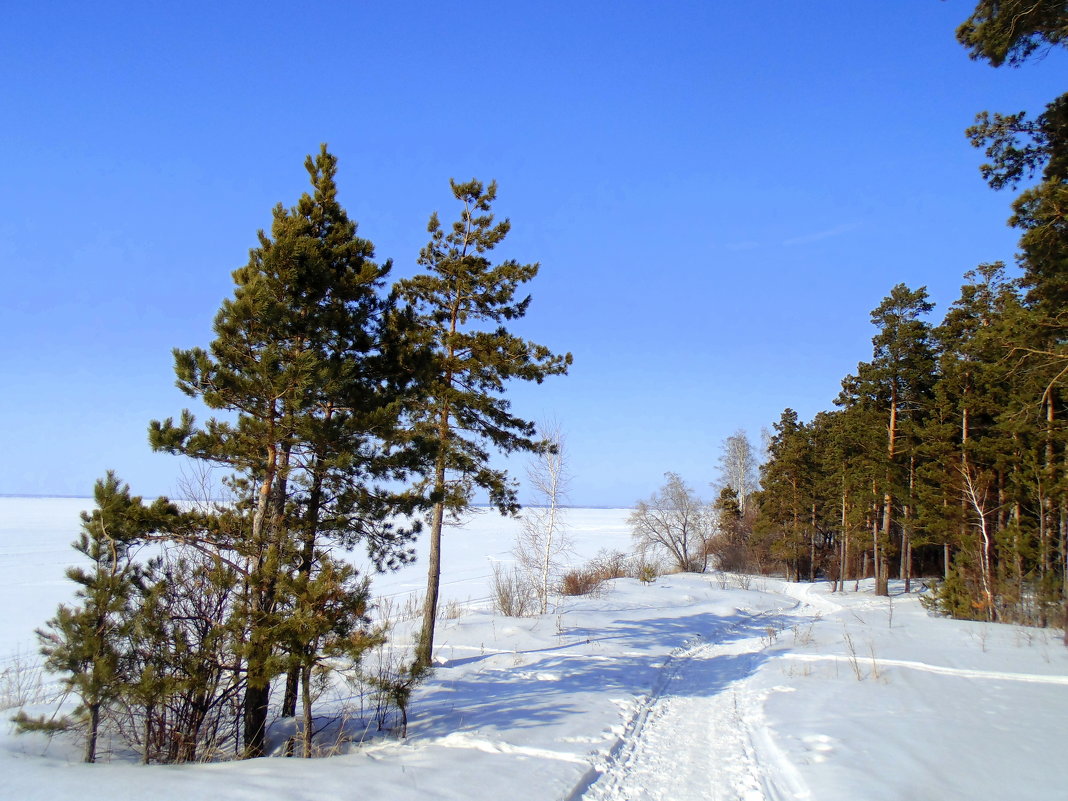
point(542, 686)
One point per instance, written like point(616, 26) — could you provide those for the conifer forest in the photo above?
point(947, 452)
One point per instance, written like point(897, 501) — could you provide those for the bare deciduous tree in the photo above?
point(976, 493)
point(738, 467)
point(674, 520)
point(543, 541)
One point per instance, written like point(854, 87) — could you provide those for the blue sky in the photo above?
point(718, 194)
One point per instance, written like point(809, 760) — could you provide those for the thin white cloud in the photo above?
point(818, 235)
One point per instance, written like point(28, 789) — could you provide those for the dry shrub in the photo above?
point(512, 596)
point(732, 557)
point(608, 565)
point(22, 682)
point(581, 581)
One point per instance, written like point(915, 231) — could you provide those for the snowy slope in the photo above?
point(690, 688)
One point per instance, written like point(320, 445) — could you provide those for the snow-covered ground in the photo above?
point(692, 687)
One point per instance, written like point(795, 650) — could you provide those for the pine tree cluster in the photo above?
point(948, 453)
point(348, 411)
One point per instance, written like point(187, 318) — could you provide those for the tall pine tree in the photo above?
point(299, 364)
point(463, 301)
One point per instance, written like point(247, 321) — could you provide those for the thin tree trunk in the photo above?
point(1046, 500)
point(1017, 547)
point(257, 682)
point(289, 697)
point(304, 568)
point(424, 650)
point(844, 562)
point(262, 645)
point(190, 733)
point(876, 556)
point(1063, 567)
point(977, 500)
point(906, 530)
point(309, 731)
point(91, 735)
point(903, 567)
point(550, 530)
point(150, 712)
point(812, 547)
point(882, 571)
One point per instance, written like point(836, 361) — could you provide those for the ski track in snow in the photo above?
point(698, 733)
point(476, 743)
point(807, 595)
point(968, 673)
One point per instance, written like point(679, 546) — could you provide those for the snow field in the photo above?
point(679, 690)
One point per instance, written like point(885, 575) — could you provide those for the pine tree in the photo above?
point(1011, 31)
point(302, 360)
point(839, 490)
point(328, 621)
point(89, 643)
point(785, 495)
point(463, 301)
point(966, 451)
point(897, 383)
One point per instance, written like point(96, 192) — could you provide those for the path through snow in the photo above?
point(701, 733)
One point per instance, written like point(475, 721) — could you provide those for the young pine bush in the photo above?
point(647, 573)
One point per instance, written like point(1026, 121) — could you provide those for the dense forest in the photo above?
point(947, 452)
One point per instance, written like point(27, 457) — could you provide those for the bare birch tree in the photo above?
point(738, 467)
point(543, 540)
point(976, 494)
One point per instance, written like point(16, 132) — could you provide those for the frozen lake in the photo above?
point(36, 533)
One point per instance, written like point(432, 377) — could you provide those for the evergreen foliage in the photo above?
point(950, 447)
point(947, 454)
point(88, 644)
point(309, 363)
point(1011, 31)
point(463, 302)
point(342, 411)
